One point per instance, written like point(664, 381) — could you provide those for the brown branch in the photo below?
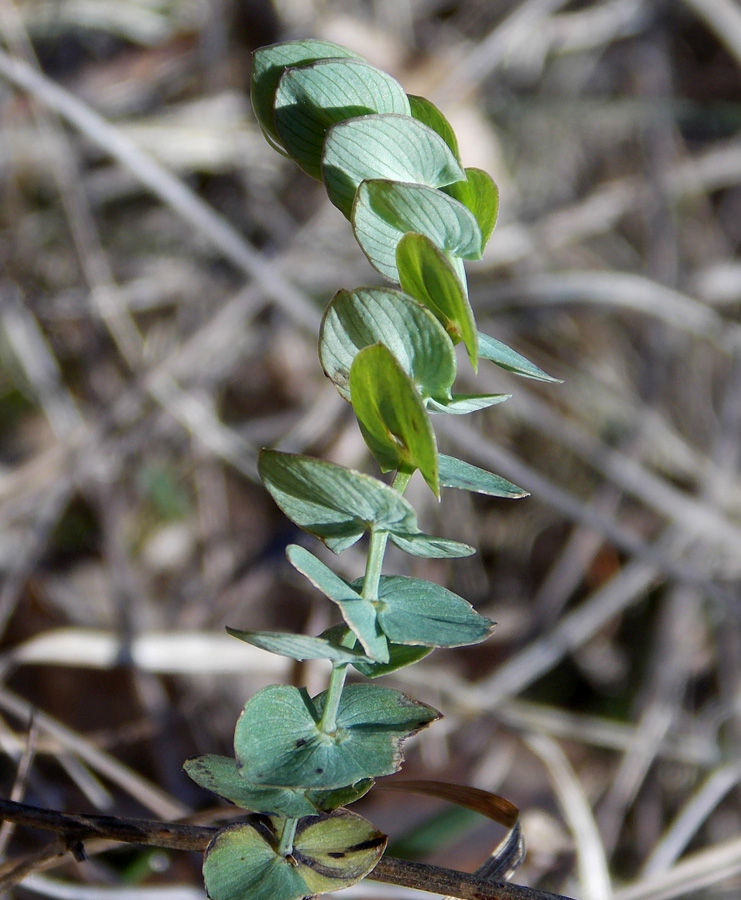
point(75, 829)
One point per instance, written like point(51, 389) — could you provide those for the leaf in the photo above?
point(298, 646)
point(241, 864)
point(278, 740)
point(358, 613)
point(413, 611)
point(400, 655)
point(384, 211)
point(221, 775)
point(336, 851)
point(425, 111)
point(427, 274)
point(334, 503)
point(479, 194)
point(392, 415)
point(507, 358)
point(365, 316)
point(269, 63)
point(461, 404)
point(313, 97)
point(428, 547)
point(384, 146)
point(455, 473)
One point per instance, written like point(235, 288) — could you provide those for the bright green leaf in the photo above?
point(269, 63)
point(507, 358)
point(428, 547)
point(462, 404)
point(313, 97)
point(392, 415)
point(358, 613)
point(241, 863)
point(455, 473)
point(334, 503)
point(384, 211)
point(384, 146)
point(221, 775)
point(359, 318)
point(428, 275)
point(426, 111)
point(278, 740)
point(298, 646)
point(412, 611)
point(479, 194)
point(336, 851)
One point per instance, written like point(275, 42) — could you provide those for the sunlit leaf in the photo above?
point(392, 415)
point(269, 63)
point(313, 97)
point(334, 503)
point(462, 404)
point(359, 318)
point(384, 211)
point(358, 613)
point(507, 358)
point(428, 275)
point(479, 194)
point(278, 740)
point(455, 473)
point(384, 146)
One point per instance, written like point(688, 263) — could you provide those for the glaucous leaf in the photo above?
point(278, 740)
point(298, 646)
point(221, 775)
point(269, 63)
point(336, 850)
point(400, 655)
point(392, 416)
point(365, 316)
point(507, 358)
point(358, 613)
point(384, 211)
point(413, 611)
point(462, 404)
point(479, 194)
point(428, 275)
point(425, 111)
point(455, 473)
point(384, 146)
point(241, 863)
point(334, 503)
point(428, 547)
point(311, 98)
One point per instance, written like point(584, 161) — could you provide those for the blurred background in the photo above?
point(162, 276)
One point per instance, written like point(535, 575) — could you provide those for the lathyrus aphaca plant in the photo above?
point(390, 163)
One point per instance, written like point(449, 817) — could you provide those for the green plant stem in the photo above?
point(287, 834)
point(371, 581)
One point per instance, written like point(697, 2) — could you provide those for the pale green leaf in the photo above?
point(384, 211)
point(298, 646)
point(278, 740)
point(365, 316)
point(507, 358)
point(462, 404)
point(242, 864)
point(455, 473)
point(313, 97)
point(479, 194)
point(269, 63)
point(337, 850)
point(428, 275)
point(428, 547)
point(392, 415)
point(384, 146)
point(358, 613)
point(426, 111)
point(334, 503)
point(412, 611)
